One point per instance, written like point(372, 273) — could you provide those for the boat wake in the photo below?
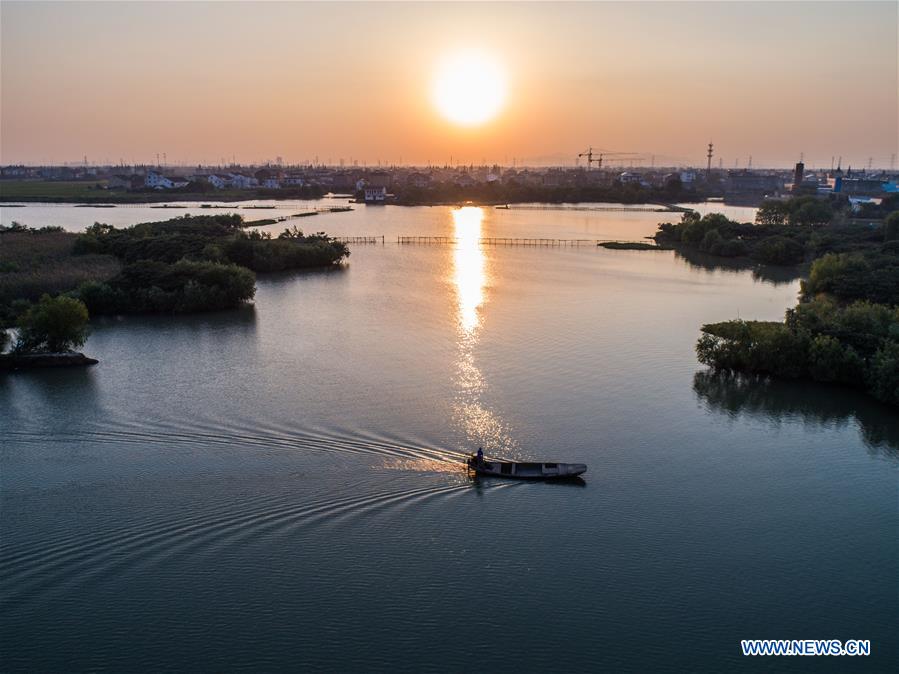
point(271, 440)
point(43, 570)
point(161, 520)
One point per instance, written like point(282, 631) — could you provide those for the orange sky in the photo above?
point(211, 80)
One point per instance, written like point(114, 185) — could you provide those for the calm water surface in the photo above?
point(280, 487)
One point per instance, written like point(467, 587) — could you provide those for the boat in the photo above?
point(525, 470)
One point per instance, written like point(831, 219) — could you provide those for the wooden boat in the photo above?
point(524, 470)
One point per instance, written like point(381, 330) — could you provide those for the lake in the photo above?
point(281, 487)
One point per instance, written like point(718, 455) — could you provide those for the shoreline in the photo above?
point(10, 362)
point(208, 203)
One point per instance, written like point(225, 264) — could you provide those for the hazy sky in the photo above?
point(203, 81)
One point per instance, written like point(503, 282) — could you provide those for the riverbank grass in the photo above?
point(55, 190)
point(38, 262)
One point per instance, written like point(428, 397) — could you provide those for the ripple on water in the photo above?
point(39, 570)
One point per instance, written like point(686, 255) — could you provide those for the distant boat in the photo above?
point(523, 470)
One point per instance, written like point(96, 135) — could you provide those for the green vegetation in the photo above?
point(150, 286)
point(800, 211)
point(53, 325)
point(290, 250)
point(717, 235)
point(35, 262)
point(195, 263)
point(785, 232)
point(52, 190)
point(873, 276)
point(182, 265)
point(780, 250)
point(213, 238)
point(846, 327)
point(845, 331)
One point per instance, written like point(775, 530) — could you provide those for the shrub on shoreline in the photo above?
point(854, 276)
point(184, 287)
point(195, 263)
point(213, 238)
point(53, 325)
point(785, 233)
point(291, 250)
point(822, 340)
point(34, 262)
point(182, 265)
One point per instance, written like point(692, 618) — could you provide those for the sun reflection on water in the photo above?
point(469, 266)
point(481, 425)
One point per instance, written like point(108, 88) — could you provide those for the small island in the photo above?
point(51, 281)
point(630, 245)
point(845, 329)
point(784, 233)
point(48, 331)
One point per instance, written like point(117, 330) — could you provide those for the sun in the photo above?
point(469, 87)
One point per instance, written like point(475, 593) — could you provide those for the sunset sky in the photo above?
point(208, 81)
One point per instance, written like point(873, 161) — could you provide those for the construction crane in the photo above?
point(610, 156)
point(589, 155)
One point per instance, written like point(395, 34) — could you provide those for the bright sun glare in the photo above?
point(469, 88)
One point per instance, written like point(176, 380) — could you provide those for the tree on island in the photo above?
point(53, 325)
point(807, 210)
point(810, 211)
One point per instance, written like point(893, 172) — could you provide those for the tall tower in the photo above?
point(798, 175)
point(708, 168)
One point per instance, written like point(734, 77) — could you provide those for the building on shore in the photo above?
point(219, 182)
point(243, 182)
point(157, 181)
point(867, 186)
point(375, 194)
point(294, 180)
point(751, 182)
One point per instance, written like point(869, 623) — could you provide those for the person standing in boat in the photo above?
point(480, 457)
